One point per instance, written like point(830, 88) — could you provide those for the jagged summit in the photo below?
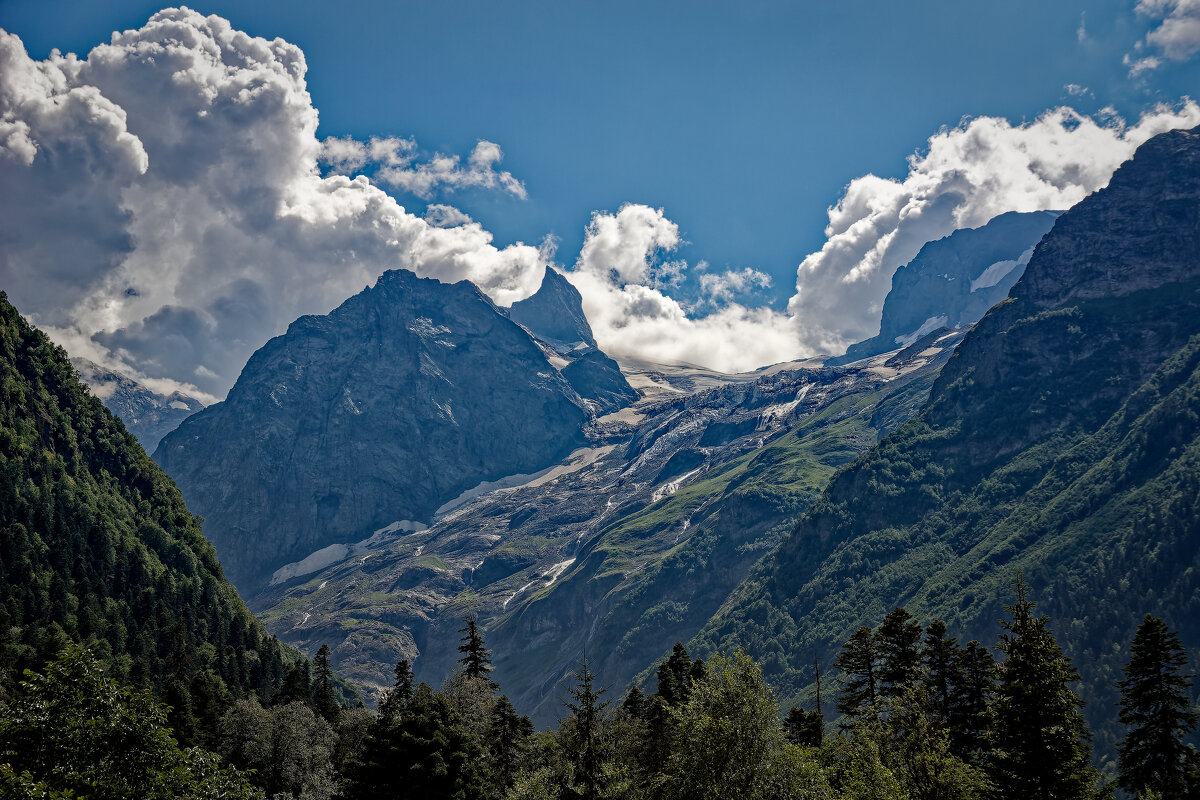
point(554, 313)
point(408, 394)
point(147, 414)
point(953, 281)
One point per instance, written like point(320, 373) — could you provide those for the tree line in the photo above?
point(918, 717)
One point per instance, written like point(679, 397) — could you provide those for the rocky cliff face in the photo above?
point(148, 415)
point(408, 395)
point(554, 313)
point(954, 281)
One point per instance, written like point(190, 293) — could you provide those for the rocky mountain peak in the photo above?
point(554, 313)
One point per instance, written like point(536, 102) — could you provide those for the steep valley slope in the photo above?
point(627, 545)
point(1061, 439)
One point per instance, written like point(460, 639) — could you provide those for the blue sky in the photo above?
point(744, 122)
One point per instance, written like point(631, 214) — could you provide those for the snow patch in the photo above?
point(335, 553)
point(996, 272)
point(671, 487)
point(928, 326)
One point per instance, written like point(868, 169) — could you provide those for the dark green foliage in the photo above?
point(1157, 712)
point(476, 661)
point(859, 665)
point(323, 700)
point(74, 730)
point(976, 682)
point(420, 752)
point(297, 685)
point(804, 728)
point(1037, 743)
point(97, 547)
point(939, 656)
point(674, 676)
point(582, 734)
point(897, 641)
point(508, 737)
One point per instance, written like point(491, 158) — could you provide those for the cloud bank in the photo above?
point(166, 207)
point(163, 211)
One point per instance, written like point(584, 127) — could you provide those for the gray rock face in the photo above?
point(953, 281)
point(554, 313)
point(623, 548)
point(406, 396)
point(148, 415)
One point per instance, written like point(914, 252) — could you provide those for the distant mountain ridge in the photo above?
point(953, 281)
point(147, 414)
point(403, 398)
point(1061, 440)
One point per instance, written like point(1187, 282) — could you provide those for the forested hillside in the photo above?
point(1062, 439)
point(98, 548)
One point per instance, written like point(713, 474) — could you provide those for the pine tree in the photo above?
point(940, 659)
point(1037, 743)
point(976, 682)
point(858, 663)
point(324, 702)
point(804, 728)
point(296, 685)
point(508, 737)
point(583, 734)
point(634, 703)
point(476, 660)
point(899, 655)
point(673, 676)
point(1156, 709)
point(397, 699)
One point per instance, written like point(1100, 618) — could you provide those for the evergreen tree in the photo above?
point(323, 700)
point(634, 703)
point(940, 659)
point(1156, 709)
point(476, 660)
point(1037, 742)
point(296, 685)
point(899, 655)
point(976, 682)
point(674, 676)
point(401, 692)
point(858, 663)
point(582, 730)
point(804, 728)
point(508, 736)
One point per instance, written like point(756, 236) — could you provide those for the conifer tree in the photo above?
point(476, 660)
point(324, 702)
point(940, 659)
point(858, 663)
point(976, 681)
point(508, 735)
point(583, 734)
point(296, 685)
point(673, 676)
point(899, 655)
point(1156, 709)
point(401, 692)
point(804, 728)
point(634, 703)
point(1037, 743)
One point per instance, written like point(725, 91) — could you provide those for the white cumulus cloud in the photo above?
point(163, 211)
point(1175, 37)
point(962, 178)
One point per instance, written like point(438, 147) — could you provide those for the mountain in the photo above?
point(1061, 439)
point(953, 281)
point(625, 546)
point(402, 399)
point(554, 316)
point(97, 546)
point(554, 313)
point(147, 414)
